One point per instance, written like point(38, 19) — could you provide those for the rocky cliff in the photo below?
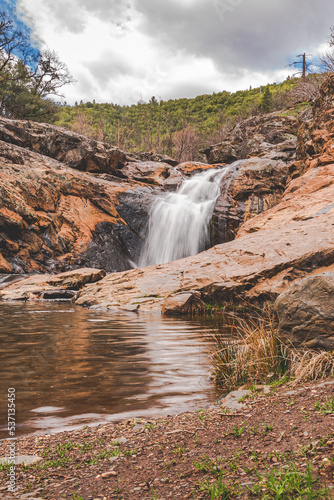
point(275, 214)
point(67, 201)
point(291, 240)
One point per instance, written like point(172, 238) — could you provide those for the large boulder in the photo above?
point(272, 136)
point(315, 144)
point(258, 151)
point(249, 188)
point(306, 311)
point(74, 150)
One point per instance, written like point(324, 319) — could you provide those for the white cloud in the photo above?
point(120, 51)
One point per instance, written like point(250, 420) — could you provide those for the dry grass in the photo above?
point(255, 354)
point(311, 365)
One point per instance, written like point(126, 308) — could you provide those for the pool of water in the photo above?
point(71, 366)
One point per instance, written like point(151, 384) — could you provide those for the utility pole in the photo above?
point(118, 133)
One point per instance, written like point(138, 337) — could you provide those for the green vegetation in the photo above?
point(28, 77)
point(327, 407)
point(216, 490)
point(289, 483)
point(207, 464)
point(177, 127)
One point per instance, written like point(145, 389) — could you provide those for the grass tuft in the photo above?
point(254, 353)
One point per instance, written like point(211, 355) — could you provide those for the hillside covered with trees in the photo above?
point(181, 127)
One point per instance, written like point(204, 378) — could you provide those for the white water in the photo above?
point(179, 223)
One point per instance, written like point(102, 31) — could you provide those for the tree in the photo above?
point(303, 65)
point(267, 101)
point(326, 60)
point(13, 43)
point(186, 143)
point(28, 77)
point(50, 75)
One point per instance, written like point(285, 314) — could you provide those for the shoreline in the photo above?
point(189, 454)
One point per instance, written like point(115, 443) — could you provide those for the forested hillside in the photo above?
point(181, 127)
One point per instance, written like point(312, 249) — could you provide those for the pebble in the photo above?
point(121, 440)
point(109, 474)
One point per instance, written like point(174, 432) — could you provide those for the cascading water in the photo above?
point(179, 222)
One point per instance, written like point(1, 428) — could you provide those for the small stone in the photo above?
point(109, 474)
point(121, 440)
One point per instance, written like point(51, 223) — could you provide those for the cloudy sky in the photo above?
point(123, 50)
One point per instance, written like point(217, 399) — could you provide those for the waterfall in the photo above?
point(179, 223)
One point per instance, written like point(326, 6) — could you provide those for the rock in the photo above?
point(58, 294)
point(5, 267)
point(61, 286)
point(150, 172)
point(121, 440)
point(306, 311)
point(74, 150)
point(249, 188)
point(190, 168)
point(54, 218)
point(74, 280)
point(272, 136)
point(315, 145)
point(231, 401)
point(150, 156)
point(183, 303)
point(110, 473)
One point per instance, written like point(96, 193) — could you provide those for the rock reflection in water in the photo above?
point(73, 366)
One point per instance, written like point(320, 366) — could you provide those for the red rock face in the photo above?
point(67, 201)
point(289, 241)
point(55, 217)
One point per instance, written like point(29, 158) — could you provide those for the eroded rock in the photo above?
point(183, 303)
point(54, 218)
point(306, 311)
point(272, 136)
point(61, 286)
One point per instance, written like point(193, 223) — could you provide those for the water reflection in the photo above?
point(72, 366)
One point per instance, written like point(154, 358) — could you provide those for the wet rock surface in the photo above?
point(56, 214)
